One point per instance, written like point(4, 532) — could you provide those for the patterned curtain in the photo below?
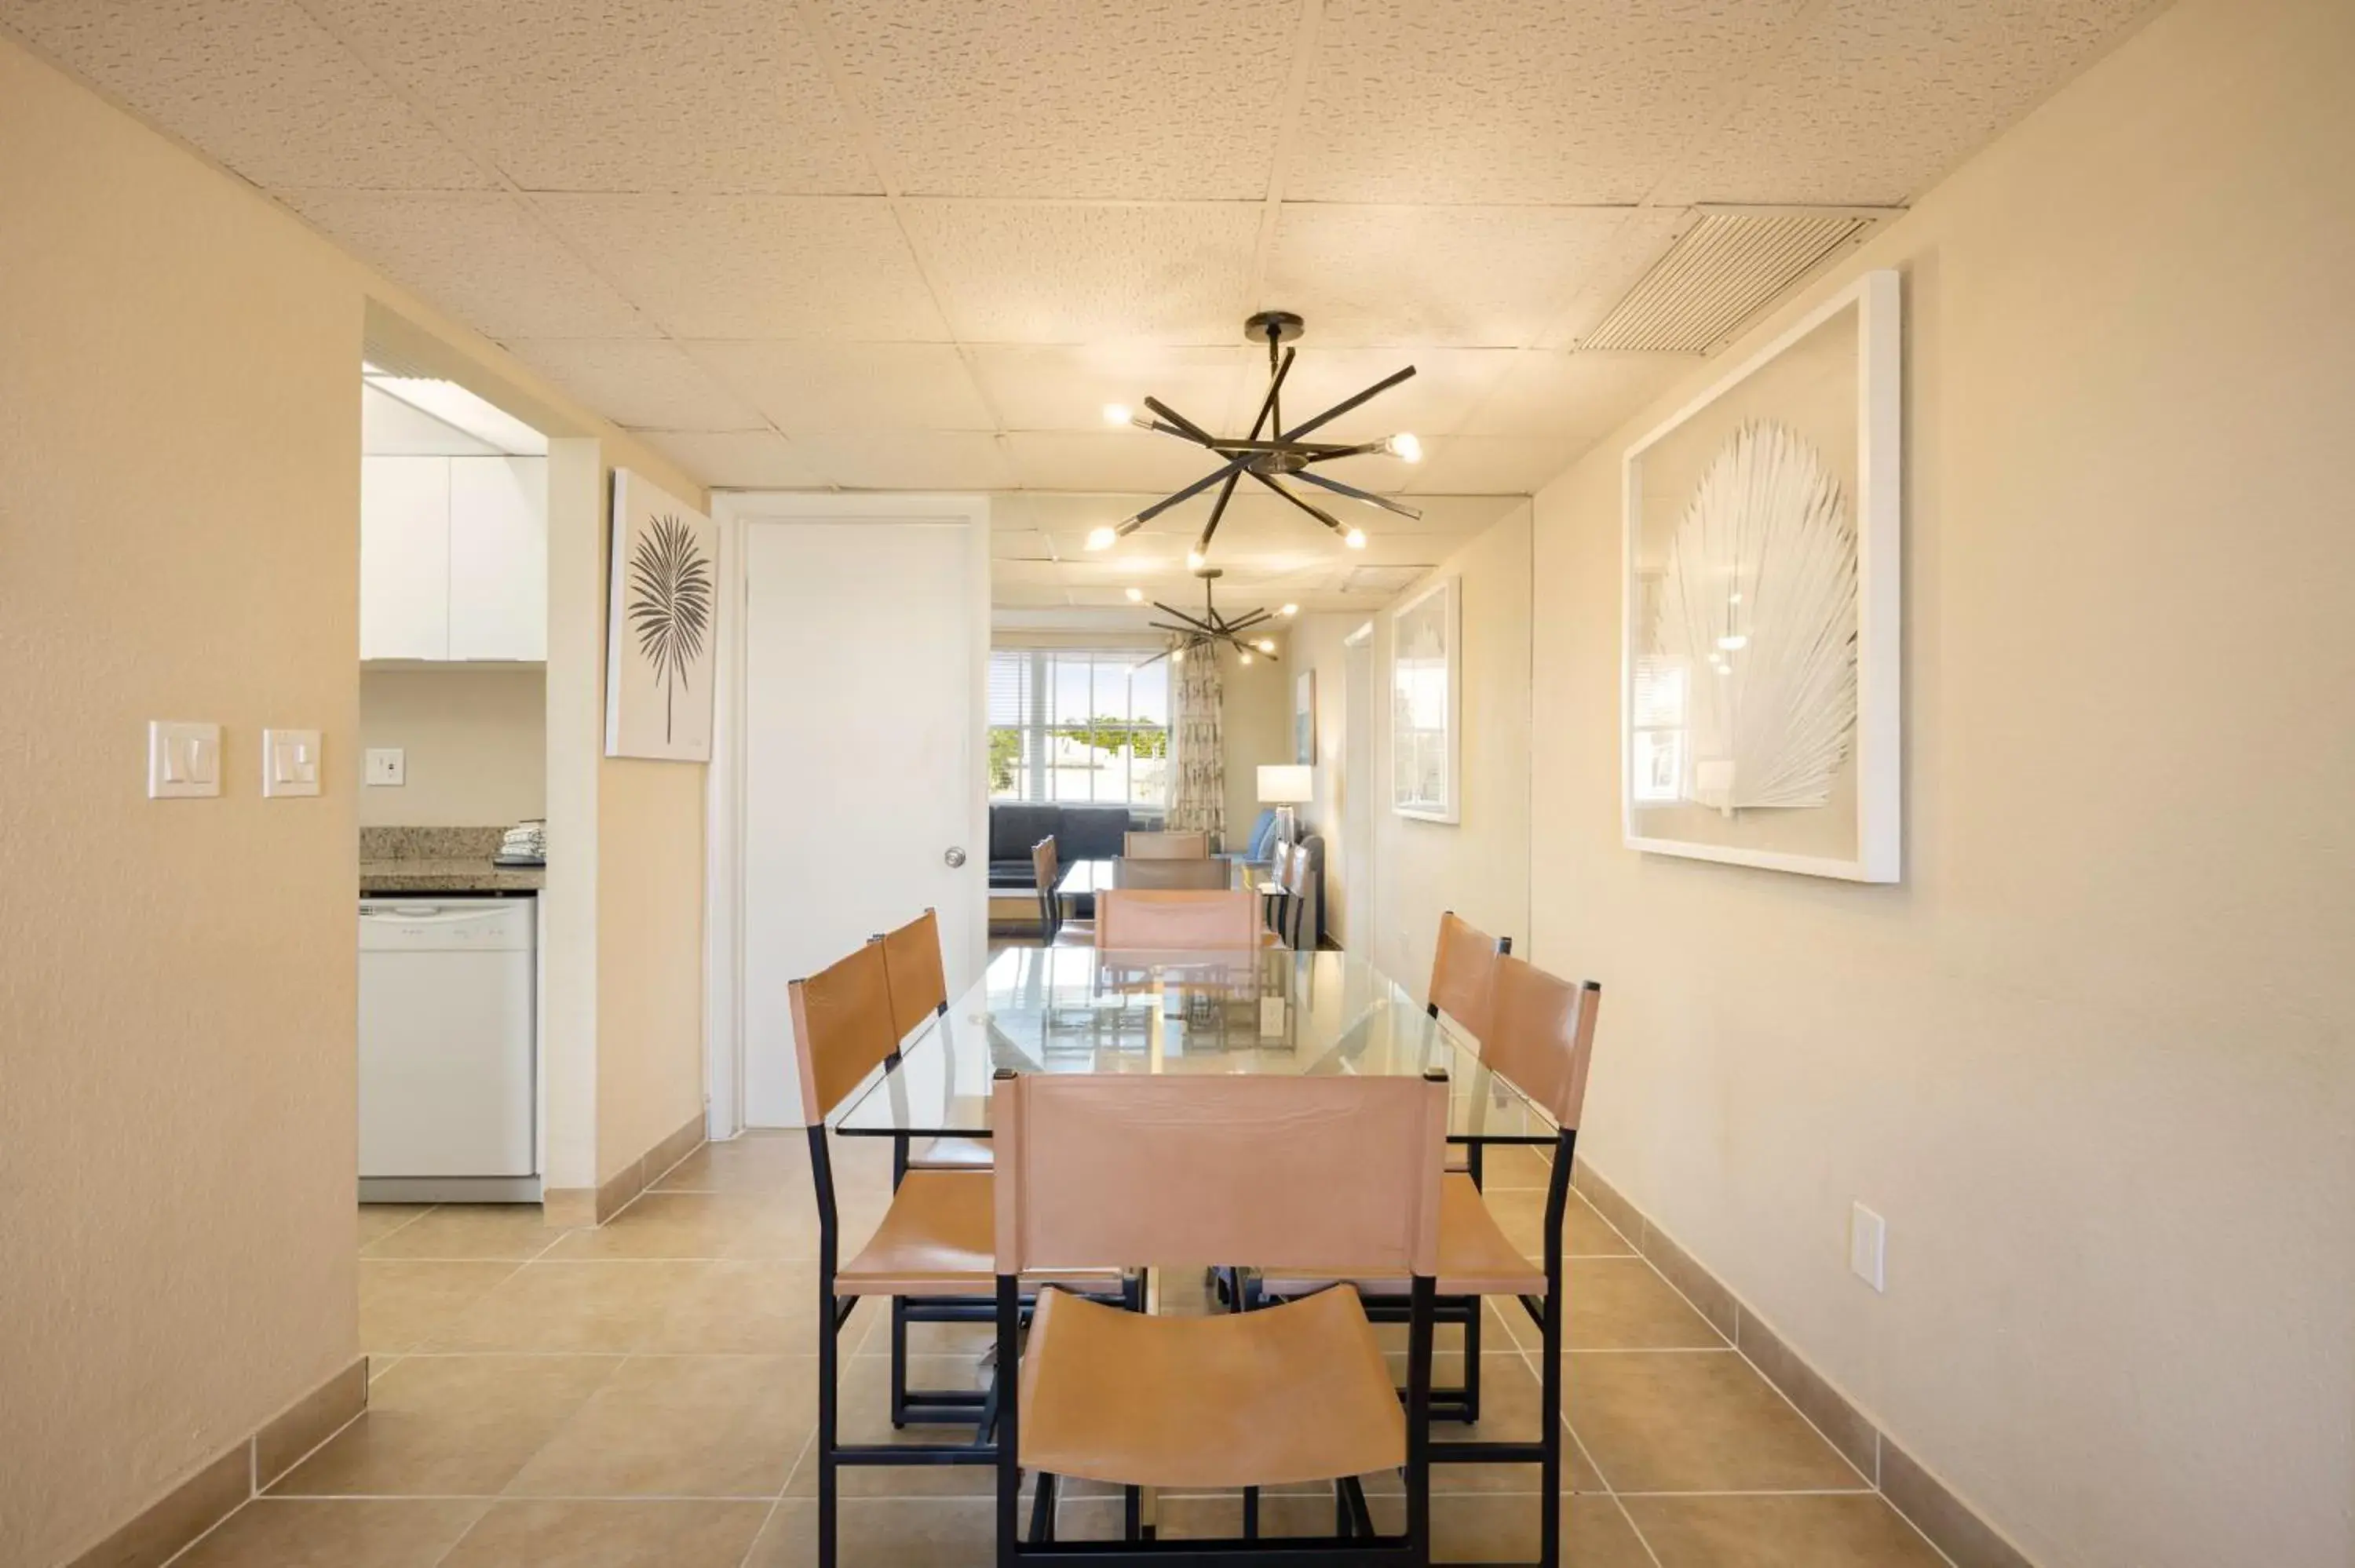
point(1197, 797)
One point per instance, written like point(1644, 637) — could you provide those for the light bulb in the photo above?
point(1724, 669)
point(1289, 609)
point(1404, 446)
point(1177, 656)
point(1245, 660)
point(1193, 560)
point(1100, 538)
point(1136, 596)
point(1117, 414)
point(1355, 538)
point(1267, 645)
point(1735, 643)
point(1733, 599)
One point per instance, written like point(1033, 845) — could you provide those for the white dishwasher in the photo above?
point(448, 1089)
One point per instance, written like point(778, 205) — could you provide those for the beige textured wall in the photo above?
point(650, 955)
point(2092, 1058)
point(180, 438)
point(1479, 867)
point(476, 746)
point(1255, 721)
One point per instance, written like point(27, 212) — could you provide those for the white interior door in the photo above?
point(861, 776)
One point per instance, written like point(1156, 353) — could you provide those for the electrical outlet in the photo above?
point(1867, 1246)
point(387, 765)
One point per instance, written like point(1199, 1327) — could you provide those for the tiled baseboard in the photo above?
point(1949, 1523)
point(225, 1484)
point(565, 1207)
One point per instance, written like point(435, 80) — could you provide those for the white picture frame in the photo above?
point(660, 631)
point(1793, 396)
point(1427, 702)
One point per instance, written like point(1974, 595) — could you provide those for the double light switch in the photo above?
point(184, 761)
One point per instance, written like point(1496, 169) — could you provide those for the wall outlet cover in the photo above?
point(1867, 1247)
point(387, 765)
point(289, 762)
point(183, 760)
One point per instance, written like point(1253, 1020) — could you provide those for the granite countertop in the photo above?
point(440, 860)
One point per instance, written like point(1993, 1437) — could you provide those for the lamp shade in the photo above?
point(1286, 784)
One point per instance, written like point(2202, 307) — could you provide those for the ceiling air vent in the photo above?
point(1725, 269)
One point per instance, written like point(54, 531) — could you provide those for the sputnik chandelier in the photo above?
point(1210, 630)
point(1271, 453)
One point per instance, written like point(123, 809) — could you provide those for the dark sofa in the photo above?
point(1081, 832)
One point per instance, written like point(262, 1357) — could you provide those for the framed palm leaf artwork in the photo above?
point(659, 637)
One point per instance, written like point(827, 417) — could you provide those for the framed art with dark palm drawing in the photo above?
point(659, 638)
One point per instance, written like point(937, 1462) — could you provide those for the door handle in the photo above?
point(954, 856)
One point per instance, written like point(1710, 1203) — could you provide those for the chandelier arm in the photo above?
point(1346, 404)
point(1186, 426)
point(1191, 491)
point(1276, 373)
point(1317, 512)
point(1247, 621)
point(1181, 615)
point(1217, 510)
point(1352, 490)
point(1161, 427)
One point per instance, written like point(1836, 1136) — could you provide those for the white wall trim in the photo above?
point(735, 513)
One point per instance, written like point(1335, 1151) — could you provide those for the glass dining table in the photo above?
point(1274, 1011)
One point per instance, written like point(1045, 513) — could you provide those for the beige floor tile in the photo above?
point(750, 1308)
point(1520, 1215)
point(550, 1305)
point(1510, 1166)
point(746, 1226)
point(1780, 1533)
point(717, 1426)
point(342, 1532)
point(611, 1535)
point(469, 1231)
point(1594, 1533)
point(1509, 1400)
point(377, 1220)
point(402, 1304)
point(1621, 1304)
point(902, 1532)
point(756, 1162)
point(1686, 1421)
point(865, 1417)
point(450, 1426)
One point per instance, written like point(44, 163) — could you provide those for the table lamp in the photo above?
point(1284, 785)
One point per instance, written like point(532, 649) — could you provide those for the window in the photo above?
point(1073, 726)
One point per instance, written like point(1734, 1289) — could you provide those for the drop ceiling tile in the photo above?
point(1166, 99)
point(482, 257)
point(1460, 277)
point(1019, 545)
point(1526, 101)
point(1496, 465)
point(1037, 387)
point(1873, 102)
point(810, 386)
point(1029, 596)
point(1038, 272)
point(1549, 393)
point(256, 84)
point(909, 460)
point(640, 382)
point(736, 459)
point(756, 267)
point(597, 95)
point(1097, 460)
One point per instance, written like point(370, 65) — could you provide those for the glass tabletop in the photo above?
point(1083, 877)
point(1076, 1010)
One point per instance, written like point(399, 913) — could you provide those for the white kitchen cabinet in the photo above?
point(454, 558)
point(499, 557)
point(404, 557)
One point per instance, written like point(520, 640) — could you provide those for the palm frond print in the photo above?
point(669, 605)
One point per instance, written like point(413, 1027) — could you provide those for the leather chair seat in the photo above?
point(952, 1154)
point(1297, 1392)
point(1475, 1257)
point(939, 1238)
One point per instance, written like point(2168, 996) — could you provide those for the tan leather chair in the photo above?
point(1054, 930)
point(1166, 876)
point(934, 1241)
point(1107, 1170)
point(1165, 847)
point(1541, 1041)
point(1143, 920)
point(1462, 974)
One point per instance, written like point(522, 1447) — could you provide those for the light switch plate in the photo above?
point(387, 765)
point(289, 762)
point(183, 760)
point(1867, 1247)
